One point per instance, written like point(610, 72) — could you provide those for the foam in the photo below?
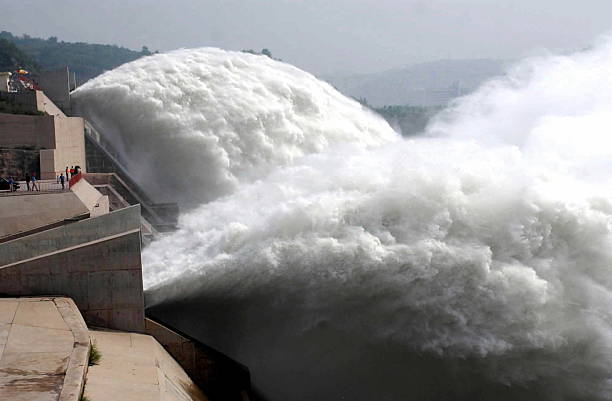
point(473, 261)
point(196, 123)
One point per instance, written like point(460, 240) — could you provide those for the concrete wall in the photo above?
point(116, 202)
point(17, 162)
point(21, 130)
point(56, 85)
point(104, 279)
point(62, 138)
point(47, 164)
point(218, 376)
point(44, 104)
point(94, 201)
point(96, 262)
point(115, 223)
point(134, 367)
point(4, 81)
point(101, 207)
point(24, 213)
point(70, 144)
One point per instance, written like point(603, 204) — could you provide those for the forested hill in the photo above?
point(11, 58)
point(408, 120)
point(85, 59)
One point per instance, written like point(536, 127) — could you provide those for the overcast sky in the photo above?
point(323, 36)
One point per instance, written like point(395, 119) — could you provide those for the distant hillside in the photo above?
point(425, 84)
point(408, 120)
point(85, 59)
point(11, 58)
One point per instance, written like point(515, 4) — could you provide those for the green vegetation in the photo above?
point(263, 52)
point(12, 58)
point(411, 120)
point(85, 59)
point(12, 108)
point(408, 120)
point(94, 355)
point(407, 111)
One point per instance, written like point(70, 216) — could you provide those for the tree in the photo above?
point(12, 58)
point(362, 100)
point(85, 59)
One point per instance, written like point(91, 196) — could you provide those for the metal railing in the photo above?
point(42, 186)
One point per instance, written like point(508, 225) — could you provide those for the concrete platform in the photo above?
point(23, 211)
point(135, 367)
point(44, 348)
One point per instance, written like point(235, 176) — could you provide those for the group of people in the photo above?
point(70, 172)
point(31, 183)
point(31, 179)
point(13, 185)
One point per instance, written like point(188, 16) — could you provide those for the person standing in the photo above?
point(28, 179)
point(62, 180)
point(71, 171)
point(67, 171)
point(11, 184)
point(34, 185)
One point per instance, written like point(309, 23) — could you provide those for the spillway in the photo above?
point(340, 261)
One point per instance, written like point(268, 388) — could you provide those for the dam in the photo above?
point(339, 260)
point(281, 242)
point(72, 317)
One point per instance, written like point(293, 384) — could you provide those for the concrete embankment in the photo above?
point(96, 262)
point(136, 367)
point(44, 349)
point(45, 356)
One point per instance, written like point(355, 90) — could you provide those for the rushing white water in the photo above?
point(196, 123)
point(474, 262)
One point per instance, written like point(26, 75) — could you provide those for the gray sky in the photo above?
point(323, 36)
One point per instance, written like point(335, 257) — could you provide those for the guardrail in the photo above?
point(41, 186)
point(74, 179)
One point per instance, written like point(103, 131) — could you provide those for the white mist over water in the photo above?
point(471, 263)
